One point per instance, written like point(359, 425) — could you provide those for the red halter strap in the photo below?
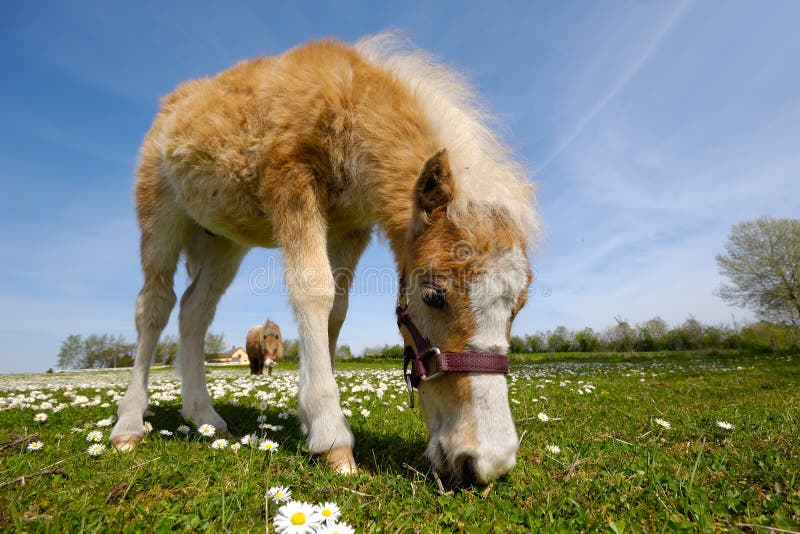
point(428, 362)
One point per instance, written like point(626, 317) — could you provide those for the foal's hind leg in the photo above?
point(343, 253)
point(164, 230)
point(212, 262)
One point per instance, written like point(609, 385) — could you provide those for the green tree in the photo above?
point(215, 343)
point(71, 352)
point(344, 352)
point(560, 340)
point(762, 261)
point(167, 349)
point(516, 345)
point(587, 339)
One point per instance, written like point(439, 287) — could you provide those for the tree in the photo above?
point(560, 340)
point(215, 343)
point(167, 349)
point(344, 352)
point(70, 353)
point(587, 340)
point(516, 345)
point(762, 261)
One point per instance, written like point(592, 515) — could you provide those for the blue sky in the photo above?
point(652, 127)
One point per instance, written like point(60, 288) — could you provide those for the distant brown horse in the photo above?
point(310, 151)
point(264, 345)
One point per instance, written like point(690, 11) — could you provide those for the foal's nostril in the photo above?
point(465, 469)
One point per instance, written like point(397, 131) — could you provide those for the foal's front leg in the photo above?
point(311, 291)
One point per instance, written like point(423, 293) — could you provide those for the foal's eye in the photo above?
point(433, 296)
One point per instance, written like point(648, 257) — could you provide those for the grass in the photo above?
point(618, 471)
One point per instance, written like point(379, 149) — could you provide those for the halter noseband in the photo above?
point(428, 362)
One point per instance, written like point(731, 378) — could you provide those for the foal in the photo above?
point(309, 151)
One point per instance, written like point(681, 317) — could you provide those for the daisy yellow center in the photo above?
point(326, 512)
point(298, 518)
point(278, 495)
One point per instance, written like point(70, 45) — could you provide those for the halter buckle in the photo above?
point(433, 351)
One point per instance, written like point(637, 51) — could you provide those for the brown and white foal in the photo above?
point(309, 151)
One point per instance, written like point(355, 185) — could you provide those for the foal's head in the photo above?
point(467, 279)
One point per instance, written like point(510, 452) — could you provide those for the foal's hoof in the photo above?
point(341, 460)
point(125, 443)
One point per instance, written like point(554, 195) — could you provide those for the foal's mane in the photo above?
point(488, 179)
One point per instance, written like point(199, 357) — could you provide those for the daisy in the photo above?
point(165, 432)
point(347, 412)
point(105, 422)
point(543, 417)
point(553, 449)
point(94, 435)
point(40, 417)
point(207, 430)
point(329, 511)
point(35, 446)
point(219, 444)
point(662, 423)
point(184, 429)
point(236, 446)
point(297, 517)
point(336, 528)
point(96, 449)
point(365, 412)
point(249, 439)
point(725, 426)
point(268, 445)
point(148, 427)
point(279, 493)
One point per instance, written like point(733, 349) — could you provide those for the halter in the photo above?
point(428, 362)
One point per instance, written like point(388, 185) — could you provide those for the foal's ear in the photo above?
point(435, 185)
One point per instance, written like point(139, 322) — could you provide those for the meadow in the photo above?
point(661, 443)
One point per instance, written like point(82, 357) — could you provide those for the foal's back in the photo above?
point(223, 145)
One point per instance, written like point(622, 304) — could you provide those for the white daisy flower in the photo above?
point(329, 511)
point(248, 439)
point(219, 444)
point(268, 445)
point(543, 417)
point(365, 412)
point(296, 517)
point(347, 412)
point(184, 429)
point(96, 449)
point(105, 422)
point(148, 427)
point(725, 426)
point(94, 435)
point(261, 418)
point(236, 446)
point(279, 493)
point(35, 445)
point(40, 417)
point(165, 432)
point(207, 430)
point(553, 449)
point(662, 423)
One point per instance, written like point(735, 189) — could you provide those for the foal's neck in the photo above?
point(397, 162)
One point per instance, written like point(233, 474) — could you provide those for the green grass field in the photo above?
point(618, 470)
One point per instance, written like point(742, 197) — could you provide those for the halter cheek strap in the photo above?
point(427, 362)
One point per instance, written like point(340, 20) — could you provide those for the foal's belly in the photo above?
point(226, 208)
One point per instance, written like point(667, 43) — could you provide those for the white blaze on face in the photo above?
point(493, 297)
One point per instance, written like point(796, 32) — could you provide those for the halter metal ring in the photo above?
point(435, 351)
